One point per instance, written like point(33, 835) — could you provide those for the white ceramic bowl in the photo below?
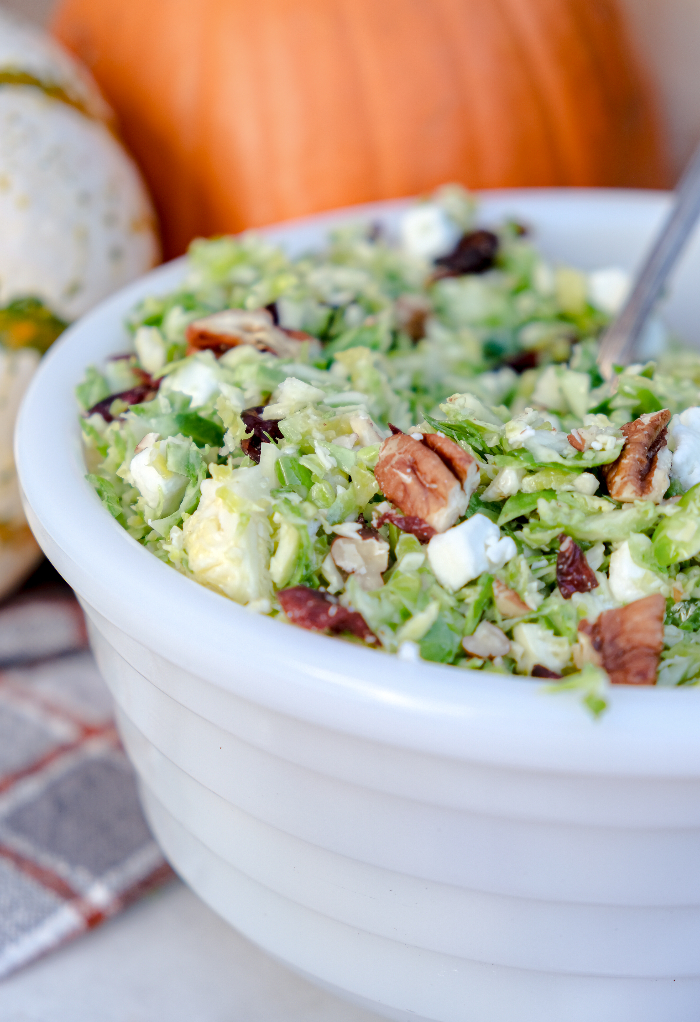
point(431, 843)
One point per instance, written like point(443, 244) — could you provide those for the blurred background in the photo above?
point(245, 112)
point(665, 32)
point(239, 113)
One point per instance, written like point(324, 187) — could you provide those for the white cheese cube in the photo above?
point(466, 551)
point(684, 439)
point(427, 232)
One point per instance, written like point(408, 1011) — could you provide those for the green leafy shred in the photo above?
point(252, 510)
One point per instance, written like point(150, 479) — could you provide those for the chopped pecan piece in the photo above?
point(629, 640)
point(411, 313)
point(264, 430)
point(538, 671)
point(475, 252)
point(320, 612)
point(642, 472)
point(487, 641)
point(457, 460)
point(135, 396)
point(365, 555)
point(224, 330)
point(507, 601)
point(417, 479)
point(576, 440)
point(574, 574)
point(407, 523)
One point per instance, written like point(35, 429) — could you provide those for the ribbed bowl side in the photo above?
point(332, 876)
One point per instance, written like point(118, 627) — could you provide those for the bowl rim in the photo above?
point(339, 685)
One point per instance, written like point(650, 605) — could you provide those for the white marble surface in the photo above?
point(167, 959)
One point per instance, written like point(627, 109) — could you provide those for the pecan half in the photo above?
point(227, 329)
point(424, 482)
point(487, 641)
point(574, 574)
point(264, 430)
point(407, 523)
point(320, 612)
point(507, 601)
point(642, 472)
point(457, 460)
point(629, 640)
point(475, 252)
point(364, 555)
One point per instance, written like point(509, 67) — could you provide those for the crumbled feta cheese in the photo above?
point(505, 483)
point(409, 652)
point(347, 441)
point(468, 550)
point(531, 430)
point(608, 289)
point(684, 440)
point(427, 232)
point(522, 427)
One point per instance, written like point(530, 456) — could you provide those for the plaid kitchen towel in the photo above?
point(74, 846)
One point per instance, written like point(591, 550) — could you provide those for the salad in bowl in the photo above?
point(405, 441)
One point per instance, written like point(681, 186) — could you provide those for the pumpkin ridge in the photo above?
point(386, 102)
point(572, 153)
point(540, 95)
point(638, 121)
point(303, 115)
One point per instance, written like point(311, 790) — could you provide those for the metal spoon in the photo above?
point(620, 339)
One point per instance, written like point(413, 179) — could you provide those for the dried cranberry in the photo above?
point(320, 612)
point(539, 671)
point(264, 430)
point(522, 361)
point(475, 252)
point(136, 396)
point(574, 574)
point(408, 523)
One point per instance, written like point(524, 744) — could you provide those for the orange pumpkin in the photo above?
point(244, 112)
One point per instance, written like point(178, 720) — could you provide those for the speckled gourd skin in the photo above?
point(77, 222)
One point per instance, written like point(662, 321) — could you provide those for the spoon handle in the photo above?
point(620, 339)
